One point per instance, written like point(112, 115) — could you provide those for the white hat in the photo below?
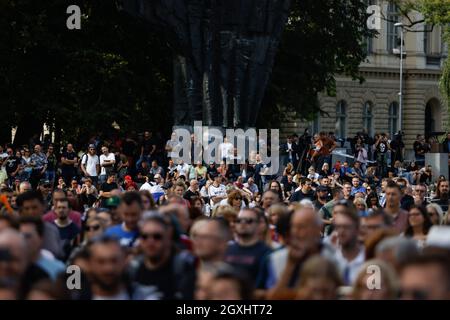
point(439, 236)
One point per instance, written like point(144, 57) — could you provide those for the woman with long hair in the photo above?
point(275, 186)
point(435, 213)
point(325, 170)
point(419, 224)
point(147, 200)
point(235, 200)
point(372, 201)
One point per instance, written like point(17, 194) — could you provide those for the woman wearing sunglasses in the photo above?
point(94, 227)
point(235, 200)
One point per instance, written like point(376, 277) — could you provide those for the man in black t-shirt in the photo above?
point(107, 187)
point(420, 148)
point(382, 147)
point(248, 252)
point(304, 193)
point(193, 190)
point(171, 275)
point(12, 166)
point(148, 147)
point(211, 171)
point(69, 160)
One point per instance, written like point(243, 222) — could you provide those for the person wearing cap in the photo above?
point(90, 164)
point(45, 188)
point(128, 181)
point(322, 197)
point(130, 212)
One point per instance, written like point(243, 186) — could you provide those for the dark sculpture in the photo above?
point(224, 54)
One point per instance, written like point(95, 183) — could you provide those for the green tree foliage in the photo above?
point(435, 13)
point(118, 69)
point(322, 39)
point(79, 81)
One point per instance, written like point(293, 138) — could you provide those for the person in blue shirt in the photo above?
point(347, 172)
point(357, 187)
point(130, 210)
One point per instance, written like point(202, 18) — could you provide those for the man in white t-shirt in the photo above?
point(217, 191)
point(183, 169)
point(107, 161)
point(90, 164)
point(226, 149)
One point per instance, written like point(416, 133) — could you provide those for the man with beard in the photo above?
point(393, 208)
point(169, 273)
point(304, 193)
point(68, 230)
point(322, 197)
point(247, 252)
point(350, 255)
point(442, 194)
point(130, 211)
point(107, 265)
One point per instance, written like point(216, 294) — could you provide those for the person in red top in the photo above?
point(323, 148)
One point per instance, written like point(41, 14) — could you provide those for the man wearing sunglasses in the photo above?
point(247, 252)
point(161, 268)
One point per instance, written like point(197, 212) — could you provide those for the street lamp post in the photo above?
point(400, 94)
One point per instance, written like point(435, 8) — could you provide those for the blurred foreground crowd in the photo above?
point(120, 220)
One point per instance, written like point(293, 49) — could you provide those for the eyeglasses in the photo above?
point(154, 236)
point(93, 228)
point(238, 198)
point(245, 220)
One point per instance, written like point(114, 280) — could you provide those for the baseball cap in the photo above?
point(112, 202)
point(44, 182)
point(157, 176)
point(91, 146)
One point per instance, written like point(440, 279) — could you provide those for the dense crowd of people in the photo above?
point(141, 225)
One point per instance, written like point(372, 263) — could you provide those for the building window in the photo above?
point(368, 118)
point(393, 118)
point(341, 119)
point(392, 35)
point(431, 46)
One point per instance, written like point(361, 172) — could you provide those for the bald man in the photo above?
point(283, 266)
